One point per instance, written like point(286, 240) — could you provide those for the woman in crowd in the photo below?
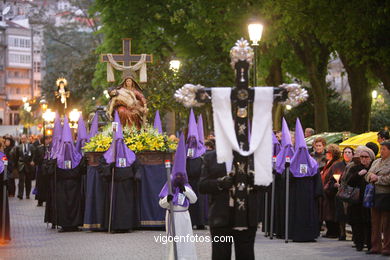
point(319, 152)
point(9, 145)
point(327, 202)
point(339, 169)
point(359, 216)
point(379, 174)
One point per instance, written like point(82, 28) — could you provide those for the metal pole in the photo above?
point(171, 216)
point(271, 235)
point(287, 198)
point(114, 129)
point(255, 66)
point(55, 195)
point(266, 214)
point(5, 195)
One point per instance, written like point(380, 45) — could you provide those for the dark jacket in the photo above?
point(23, 161)
point(356, 212)
point(327, 202)
point(220, 214)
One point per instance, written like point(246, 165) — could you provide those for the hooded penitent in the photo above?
point(57, 133)
point(286, 150)
point(94, 126)
point(120, 153)
point(201, 133)
point(68, 157)
point(82, 136)
point(179, 174)
point(194, 147)
point(157, 122)
point(302, 164)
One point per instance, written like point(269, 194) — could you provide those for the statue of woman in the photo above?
point(128, 100)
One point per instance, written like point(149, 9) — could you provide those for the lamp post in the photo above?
point(255, 30)
point(174, 66)
point(48, 116)
point(43, 105)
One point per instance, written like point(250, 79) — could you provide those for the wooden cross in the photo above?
point(242, 97)
point(126, 57)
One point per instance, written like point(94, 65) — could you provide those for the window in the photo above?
point(19, 42)
point(37, 66)
point(20, 58)
point(37, 84)
point(17, 90)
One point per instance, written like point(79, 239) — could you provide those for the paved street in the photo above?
point(32, 240)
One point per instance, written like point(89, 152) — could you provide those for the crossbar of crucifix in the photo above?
point(241, 96)
point(126, 57)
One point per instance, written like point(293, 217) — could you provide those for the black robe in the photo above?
point(124, 206)
point(7, 220)
point(194, 169)
point(48, 171)
point(94, 199)
point(70, 203)
point(303, 207)
point(42, 180)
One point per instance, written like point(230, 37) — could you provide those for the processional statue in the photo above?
point(127, 97)
point(62, 94)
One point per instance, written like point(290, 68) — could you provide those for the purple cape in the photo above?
point(157, 122)
point(286, 150)
point(179, 167)
point(302, 164)
point(123, 156)
point(67, 152)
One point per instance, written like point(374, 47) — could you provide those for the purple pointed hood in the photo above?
point(67, 152)
point(94, 126)
point(123, 156)
point(157, 122)
point(302, 164)
point(57, 133)
point(286, 150)
point(194, 148)
point(201, 134)
point(82, 136)
point(178, 170)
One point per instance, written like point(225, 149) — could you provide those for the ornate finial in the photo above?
point(241, 51)
point(61, 80)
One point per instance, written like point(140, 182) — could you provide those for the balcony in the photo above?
point(17, 97)
point(19, 81)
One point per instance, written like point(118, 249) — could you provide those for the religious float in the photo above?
point(150, 145)
point(151, 149)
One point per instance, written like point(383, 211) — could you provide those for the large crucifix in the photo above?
point(242, 98)
point(126, 57)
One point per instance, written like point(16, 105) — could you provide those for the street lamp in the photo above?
point(48, 117)
point(174, 65)
point(43, 104)
point(374, 94)
point(255, 30)
point(74, 116)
